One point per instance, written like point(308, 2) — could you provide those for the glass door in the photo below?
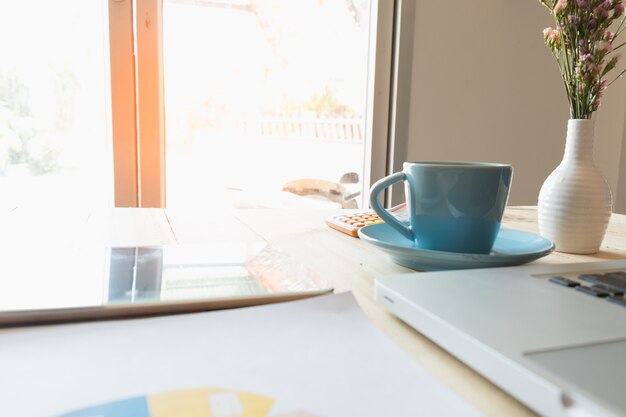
point(265, 102)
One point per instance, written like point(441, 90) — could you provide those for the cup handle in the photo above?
point(377, 188)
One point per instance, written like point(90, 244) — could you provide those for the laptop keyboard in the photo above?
point(610, 285)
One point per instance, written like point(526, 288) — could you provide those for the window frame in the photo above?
point(123, 103)
point(138, 114)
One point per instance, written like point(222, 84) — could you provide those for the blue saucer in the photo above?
point(512, 247)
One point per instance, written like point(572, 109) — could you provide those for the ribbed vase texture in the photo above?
point(575, 201)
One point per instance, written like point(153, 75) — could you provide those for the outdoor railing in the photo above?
point(348, 129)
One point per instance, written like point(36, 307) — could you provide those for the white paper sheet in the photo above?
point(319, 357)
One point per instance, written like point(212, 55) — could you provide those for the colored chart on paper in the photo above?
point(211, 402)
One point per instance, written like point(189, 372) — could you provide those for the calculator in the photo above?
point(351, 223)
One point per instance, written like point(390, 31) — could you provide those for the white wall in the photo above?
point(485, 88)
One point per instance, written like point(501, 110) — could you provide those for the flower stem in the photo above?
point(616, 78)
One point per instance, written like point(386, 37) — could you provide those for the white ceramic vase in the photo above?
point(575, 201)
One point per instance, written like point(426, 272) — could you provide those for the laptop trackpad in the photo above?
point(599, 369)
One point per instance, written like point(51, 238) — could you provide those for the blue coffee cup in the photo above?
point(452, 206)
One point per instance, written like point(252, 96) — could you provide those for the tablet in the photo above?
point(117, 282)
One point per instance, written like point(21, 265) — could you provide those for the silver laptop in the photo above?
point(553, 336)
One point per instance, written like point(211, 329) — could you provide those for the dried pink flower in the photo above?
point(583, 46)
point(603, 46)
point(560, 6)
point(552, 37)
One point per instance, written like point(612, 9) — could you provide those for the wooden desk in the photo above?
point(352, 265)
point(348, 263)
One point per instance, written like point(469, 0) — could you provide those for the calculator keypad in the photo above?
point(361, 219)
point(351, 223)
